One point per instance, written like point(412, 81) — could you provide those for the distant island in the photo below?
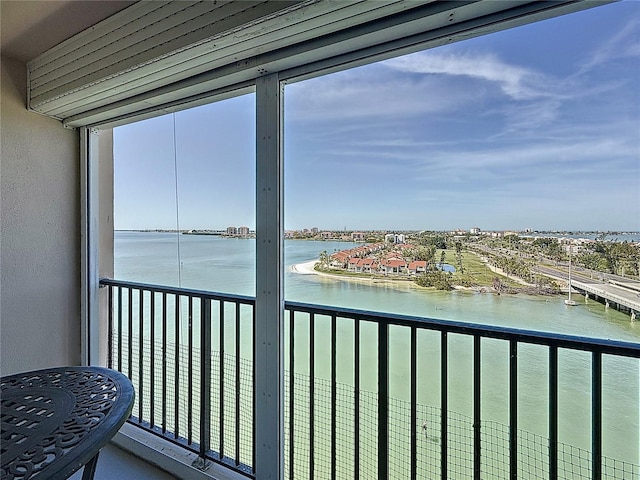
point(489, 262)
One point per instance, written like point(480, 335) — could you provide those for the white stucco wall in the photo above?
point(39, 234)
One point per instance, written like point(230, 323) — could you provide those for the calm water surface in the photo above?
point(227, 266)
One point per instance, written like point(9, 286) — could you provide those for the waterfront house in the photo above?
point(354, 264)
point(392, 266)
point(367, 265)
point(340, 259)
point(362, 265)
point(417, 267)
point(71, 72)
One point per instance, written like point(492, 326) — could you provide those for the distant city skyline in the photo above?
point(381, 231)
point(534, 127)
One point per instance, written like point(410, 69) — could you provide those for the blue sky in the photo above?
point(535, 127)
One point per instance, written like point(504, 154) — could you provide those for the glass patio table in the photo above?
point(55, 421)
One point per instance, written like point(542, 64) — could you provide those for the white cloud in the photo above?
point(623, 44)
point(530, 116)
point(532, 163)
point(449, 126)
point(372, 92)
point(517, 82)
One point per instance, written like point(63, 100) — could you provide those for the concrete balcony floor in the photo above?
point(117, 464)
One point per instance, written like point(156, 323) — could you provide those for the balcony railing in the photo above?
point(368, 395)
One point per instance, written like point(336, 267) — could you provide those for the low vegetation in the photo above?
point(499, 264)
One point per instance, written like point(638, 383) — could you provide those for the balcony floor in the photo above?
point(116, 463)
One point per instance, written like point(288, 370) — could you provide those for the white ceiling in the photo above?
point(29, 28)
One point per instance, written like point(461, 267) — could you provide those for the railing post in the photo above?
point(164, 362)
point(176, 367)
point(477, 412)
point(356, 394)
point(237, 386)
point(221, 384)
point(553, 412)
point(119, 329)
point(269, 331)
point(152, 361)
point(110, 329)
point(414, 401)
point(205, 383)
point(190, 374)
point(292, 373)
point(596, 416)
point(312, 395)
point(334, 394)
point(383, 401)
point(130, 333)
point(513, 409)
point(140, 393)
point(444, 409)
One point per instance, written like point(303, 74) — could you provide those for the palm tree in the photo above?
point(324, 259)
point(459, 255)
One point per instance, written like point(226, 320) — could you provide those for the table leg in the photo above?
point(90, 468)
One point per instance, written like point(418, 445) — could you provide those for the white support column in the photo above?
point(90, 334)
point(269, 332)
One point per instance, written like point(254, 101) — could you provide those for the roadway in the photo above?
point(614, 288)
point(619, 290)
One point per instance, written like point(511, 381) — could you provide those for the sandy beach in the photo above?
point(305, 268)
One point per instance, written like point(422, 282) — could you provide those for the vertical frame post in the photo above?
point(89, 280)
point(96, 241)
point(269, 331)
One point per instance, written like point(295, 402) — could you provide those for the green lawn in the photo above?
point(475, 271)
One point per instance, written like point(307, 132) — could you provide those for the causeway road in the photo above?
point(622, 291)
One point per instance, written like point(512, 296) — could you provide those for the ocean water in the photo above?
point(227, 265)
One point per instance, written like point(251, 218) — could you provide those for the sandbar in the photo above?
point(305, 268)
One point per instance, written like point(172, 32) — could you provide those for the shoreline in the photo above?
point(307, 268)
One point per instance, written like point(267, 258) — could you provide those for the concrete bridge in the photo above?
point(622, 294)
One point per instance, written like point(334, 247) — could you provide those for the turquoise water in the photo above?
point(227, 266)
